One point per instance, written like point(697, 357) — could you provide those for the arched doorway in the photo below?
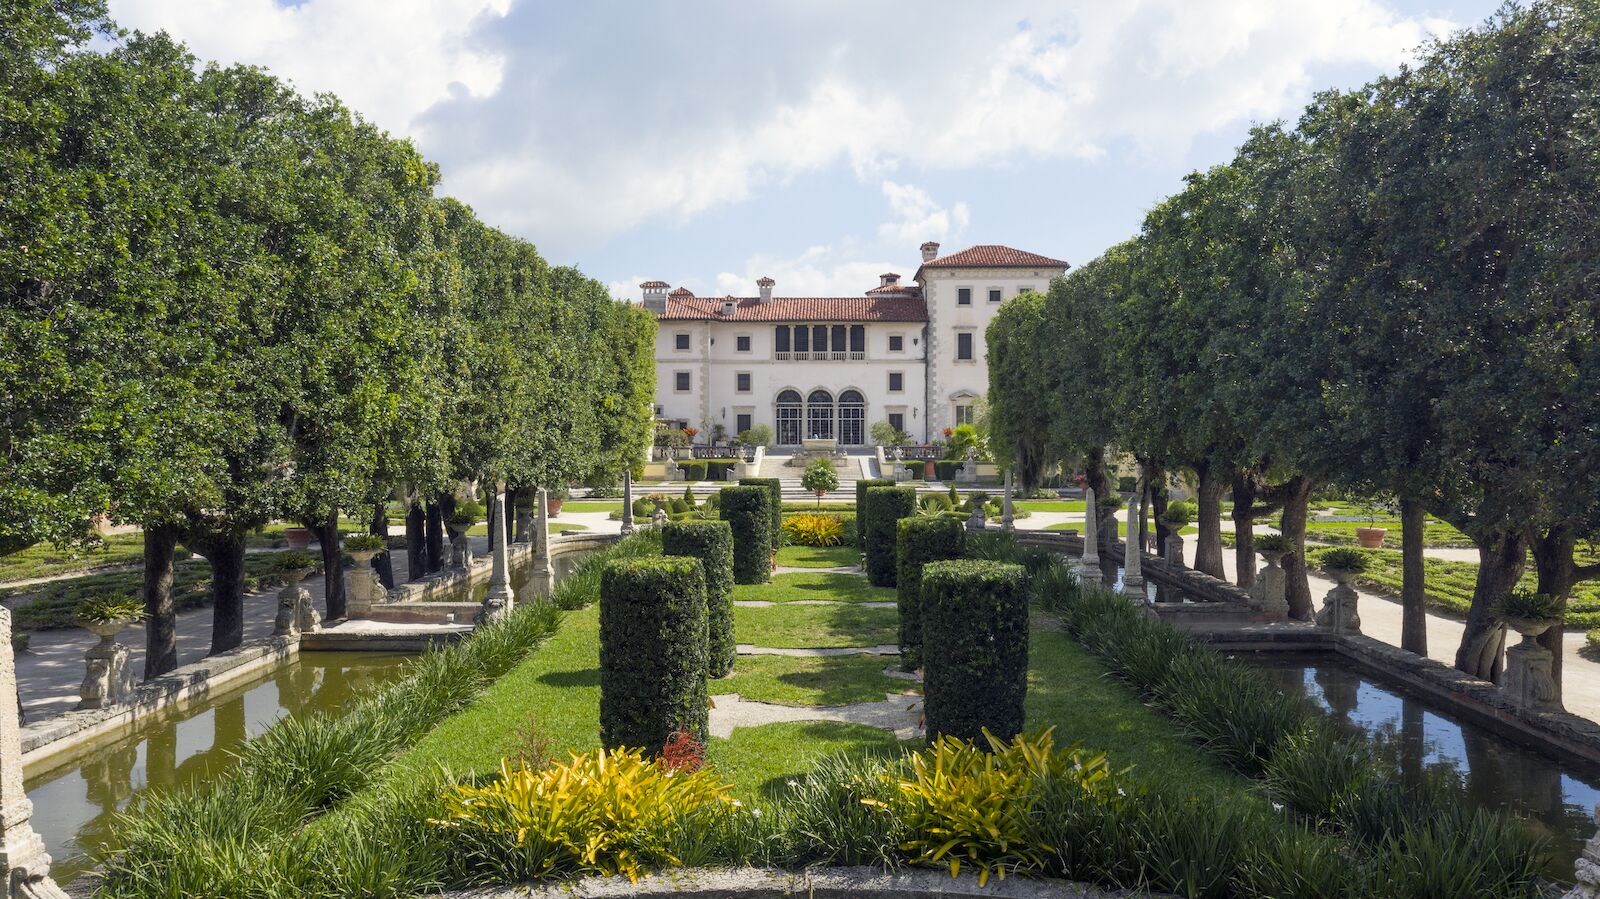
point(852, 418)
point(819, 415)
point(788, 418)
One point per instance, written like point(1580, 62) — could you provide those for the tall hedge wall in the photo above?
point(652, 651)
point(748, 510)
point(974, 648)
point(712, 543)
point(881, 509)
point(861, 502)
point(774, 487)
point(920, 539)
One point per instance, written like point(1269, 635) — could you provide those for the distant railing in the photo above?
point(781, 357)
point(857, 355)
point(919, 453)
point(838, 356)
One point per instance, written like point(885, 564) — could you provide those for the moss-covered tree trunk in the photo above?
point(1297, 587)
point(225, 552)
point(1244, 529)
point(160, 620)
point(1413, 585)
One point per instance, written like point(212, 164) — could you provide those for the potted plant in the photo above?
point(466, 514)
point(292, 566)
point(1178, 515)
point(1371, 536)
point(1343, 563)
point(1530, 613)
point(820, 478)
point(297, 537)
point(554, 497)
point(364, 547)
point(1273, 547)
point(107, 614)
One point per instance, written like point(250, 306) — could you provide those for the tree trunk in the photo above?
point(1208, 544)
point(1158, 507)
point(1413, 584)
point(1297, 589)
point(1500, 560)
point(160, 620)
point(416, 541)
point(1244, 528)
point(225, 552)
point(524, 514)
point(332, 565)
point(494, 500)
point(383, 564)
point(1557, 574)
point(1094, 476)
point(435, 539)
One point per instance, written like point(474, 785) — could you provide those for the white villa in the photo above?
point(827, 367)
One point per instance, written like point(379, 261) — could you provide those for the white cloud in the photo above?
point(918, 217)
point(815, 272)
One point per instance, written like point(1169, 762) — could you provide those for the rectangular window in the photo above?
point(897, 343)
point(742, 343)
point(964, 414)
point(742, 423)
point(681, 341)
point(780, 338)
point(1026, 288)
point(802, 339)
point(819, 338)
point(680, 381)
point(897, 420)
point(858, 338)
point(994, 294)
point(897, 382)
point(742, 382)
point(963, 296)
point(964, 346)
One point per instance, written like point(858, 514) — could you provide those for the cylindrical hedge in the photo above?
point(712, 543)
point(775, 488)
point(921, 539)
point(652, 651)
point(974, 648)
point(861, 502)
point(748, 510)
point(881, 510)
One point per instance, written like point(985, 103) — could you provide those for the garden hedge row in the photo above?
point(975, 648)
point(774, 487)
point(921, 539)
point(652, 652)
point(942, 470)
point(748, 510)
point(707, 469)
point(881, 510)
point(712, 543)
point(861, 502)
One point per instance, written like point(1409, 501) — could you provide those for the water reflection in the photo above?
point(1494, 771)
point(74, 804)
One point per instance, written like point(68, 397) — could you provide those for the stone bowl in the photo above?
point(1529, 627)
point(105, 630)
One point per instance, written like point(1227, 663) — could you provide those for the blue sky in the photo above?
point(710, 143)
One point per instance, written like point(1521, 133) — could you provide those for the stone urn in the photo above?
point(1370, 538)
point(107, 680)
point(1530, 628)
point(552, 507)
point(1529, 677)
point(1338, 612)
point(297, 538)
point(366, 590)
point(291, 607)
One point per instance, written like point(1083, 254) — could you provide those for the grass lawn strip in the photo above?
point(1049, 505)
point(829, 585)
point(788, 680)
point(819, 556)
point(788, 626)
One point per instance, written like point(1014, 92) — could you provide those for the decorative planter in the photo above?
point(1341, 576)
point(1370, 538)
point(298, 538)
point(106, 680)
point(552, 507)
point(1529, 628)
point(107, 631)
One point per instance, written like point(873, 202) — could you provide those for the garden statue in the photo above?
point(1089, 567)
point(660, 518)
point(968, 472)
point(1588, 868)
point(1338, 612)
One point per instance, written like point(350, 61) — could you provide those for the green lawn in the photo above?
point(791, 626)
point(830, 585)
point(840, 680)
point(1050, 505)
point(592, 505)
point(556, 527)
point(760, 761)
point(44, 560)
point(1434, 532)
point(1122, 528)
point(819, 556)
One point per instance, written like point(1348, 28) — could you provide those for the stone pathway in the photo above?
point(898, 713)
point(767, 603)
point(885, 649)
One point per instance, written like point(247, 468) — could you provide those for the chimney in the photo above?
point(729, 307)
point(930, 251)
point(766, 289)
point(888, 279)
point(655, 295)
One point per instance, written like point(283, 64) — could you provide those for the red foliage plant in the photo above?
point(683, 752)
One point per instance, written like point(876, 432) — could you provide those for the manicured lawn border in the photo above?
point(833, 586)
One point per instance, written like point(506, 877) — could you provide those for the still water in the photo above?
point(75, 803)
point(1497, 773)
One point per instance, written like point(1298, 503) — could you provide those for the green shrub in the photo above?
point(1530, 605)
point(643, 508)
point(862, 487)
point(712, 543)
point(688, 497)
point(883, 507)
point(1178, 514)
point(920, 540)
point(692, 470)
point(806, 529)
point(652, 652)
point(1343, 558)
point(975, 648)
point(1273, 543)
point(819, 477)
point(934, 504)
point(676, 506)
point(759, 435)
point(775, 488)
point(103, 608)
point(748, 510)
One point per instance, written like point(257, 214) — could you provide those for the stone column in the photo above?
point(1005, 505)
point(627, 501)
point(1089, 568)
point(107, 681)
point(1133, 553)
point(1339, 606)
point(1271, 588)
point(500, 599)
point(24, 864)
point(1173, 551)
point(366, 590)
point(1529, 681)
point(543, 577)
point(1588, 868)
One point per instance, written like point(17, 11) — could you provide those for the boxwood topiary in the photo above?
point(861, 503)
point(712, 543)
point(921, 539)
point(974, 648)
point(748, 510)
point(652, 651)
point(881, 510)
point(775, 489)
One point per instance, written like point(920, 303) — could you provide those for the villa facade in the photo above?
point(828, 367)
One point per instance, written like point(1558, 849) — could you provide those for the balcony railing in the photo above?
point(781, 357)
point(857, 355)
point(819, 356)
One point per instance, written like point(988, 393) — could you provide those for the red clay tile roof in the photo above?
point(681, 292)
point(798, 309)
point(906, 289)
point(653, 284)
point(992, 256)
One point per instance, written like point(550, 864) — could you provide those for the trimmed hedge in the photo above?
point(881, 509)
point(707, 469)
point(861, 502)
point(712, 543)
point(748, 510)
point(920, 539)
point(652, 652)
point(942, 470)
point(975, 648)
point(774, 487)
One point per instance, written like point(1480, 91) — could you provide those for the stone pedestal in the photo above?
point(1089, 568)
point(1339, 607)
point(1006, 517)
point(976, 522)
point(1271, 589)
point(1133, 555)
point(543, 577)
point(24, 864)
point(1588, 868)
point(1529, 681)
point(460, 552)
point(107, 680)
point(500, 599)
point(1173, 551)
point(296, 614)
point(627, 502)
point(365, 590)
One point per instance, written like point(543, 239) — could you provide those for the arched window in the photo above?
point(788, 418)
point(852, 418)
point(819, 415)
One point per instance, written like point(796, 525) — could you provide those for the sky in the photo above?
point(707, 144)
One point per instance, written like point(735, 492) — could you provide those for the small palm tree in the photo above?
point(819, 478)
